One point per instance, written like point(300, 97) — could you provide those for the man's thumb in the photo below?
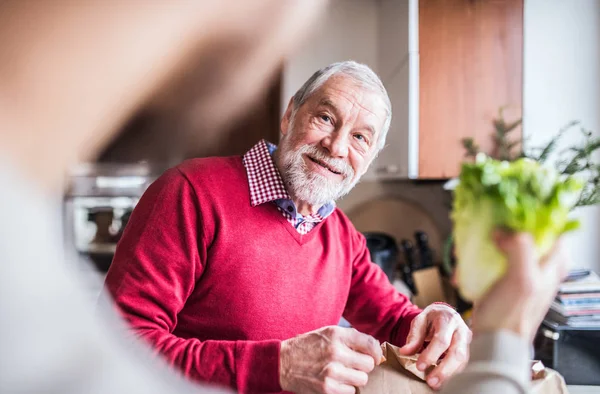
point(415, 338)
point(517, 247)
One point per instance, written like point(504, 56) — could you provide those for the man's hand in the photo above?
point(447, 333)
point(332, 360)
point(519, 301)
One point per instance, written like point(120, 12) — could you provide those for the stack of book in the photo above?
point(577, 303)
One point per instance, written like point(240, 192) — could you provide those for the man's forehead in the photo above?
point(343, 92)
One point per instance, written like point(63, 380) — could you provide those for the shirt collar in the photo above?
point(264, 179)
point(266, 183)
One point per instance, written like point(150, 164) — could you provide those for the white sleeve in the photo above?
point(51, 338)
point(499, 363)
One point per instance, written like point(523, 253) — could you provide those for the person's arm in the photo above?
point(374, 306)
point(499, 364)
point(507, 317)
point(51, 340)
point(160, 257)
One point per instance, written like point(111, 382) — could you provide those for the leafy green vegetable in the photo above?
point(521, 196)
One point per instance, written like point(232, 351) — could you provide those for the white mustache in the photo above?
point(337, 165)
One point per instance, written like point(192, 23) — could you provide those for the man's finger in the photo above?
point(344, 375)
point(416, 336)
point(455, 359)
point(332, 386)
point(442, 338)
point(518, 248)
point(356, 360)
point(363, 343)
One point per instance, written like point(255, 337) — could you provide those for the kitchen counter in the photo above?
point(584, 389)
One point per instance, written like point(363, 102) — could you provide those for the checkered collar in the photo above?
point(264, 179)
point(267, 185)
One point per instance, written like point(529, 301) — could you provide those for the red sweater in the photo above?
point(215, 284)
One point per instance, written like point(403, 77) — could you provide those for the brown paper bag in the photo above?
point(398, 375)
point(551, 383)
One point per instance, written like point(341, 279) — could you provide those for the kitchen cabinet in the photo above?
point(471, 64)
point(448, 66)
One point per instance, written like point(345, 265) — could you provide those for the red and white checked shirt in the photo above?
point(266, 185)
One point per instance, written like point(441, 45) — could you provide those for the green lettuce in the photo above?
point(521, 196)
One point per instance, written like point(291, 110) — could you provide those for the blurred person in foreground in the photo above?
point(71, 73)
point(508, 316)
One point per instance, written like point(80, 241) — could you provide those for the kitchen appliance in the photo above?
point(400, 219)
point(98, 204)
point(425, 252)
point(419, 271)
point(384, 252)
point(573, 351)
point(409, 265)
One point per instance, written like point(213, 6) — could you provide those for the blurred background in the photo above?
point(449, 66)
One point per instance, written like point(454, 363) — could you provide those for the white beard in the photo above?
point(308, 186)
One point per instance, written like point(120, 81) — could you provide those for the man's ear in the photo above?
point(371, 160)
point(287, 117)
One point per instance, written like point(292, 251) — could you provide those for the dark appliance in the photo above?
point(573, 352)
point(98, 204)
point(384, 252)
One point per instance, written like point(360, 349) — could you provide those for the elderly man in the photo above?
point(237, 269)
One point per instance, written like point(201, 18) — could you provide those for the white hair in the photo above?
point(361, 74)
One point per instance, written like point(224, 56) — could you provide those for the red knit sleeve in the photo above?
point(374, 306)
point(158, 260)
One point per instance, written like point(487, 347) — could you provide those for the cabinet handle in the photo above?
point(550, 334)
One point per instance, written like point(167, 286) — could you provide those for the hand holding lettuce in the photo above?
point(520, 196)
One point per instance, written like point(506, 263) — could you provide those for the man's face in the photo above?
point(331, 140)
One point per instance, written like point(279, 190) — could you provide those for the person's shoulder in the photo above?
point(202, 174)
point(341, 221)
point(207, 169)
point(344, 230)
point(347, 226)
point(210, 164)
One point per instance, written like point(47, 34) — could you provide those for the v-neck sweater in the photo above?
point(215, 284)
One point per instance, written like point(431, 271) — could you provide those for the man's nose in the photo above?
point(336, 144)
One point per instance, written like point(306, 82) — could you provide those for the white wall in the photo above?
point(348, 32)
point(562, 83)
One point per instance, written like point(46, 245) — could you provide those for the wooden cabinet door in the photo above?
point(471, 64)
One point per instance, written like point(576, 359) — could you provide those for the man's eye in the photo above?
point(326, 118)
point(360, 137)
